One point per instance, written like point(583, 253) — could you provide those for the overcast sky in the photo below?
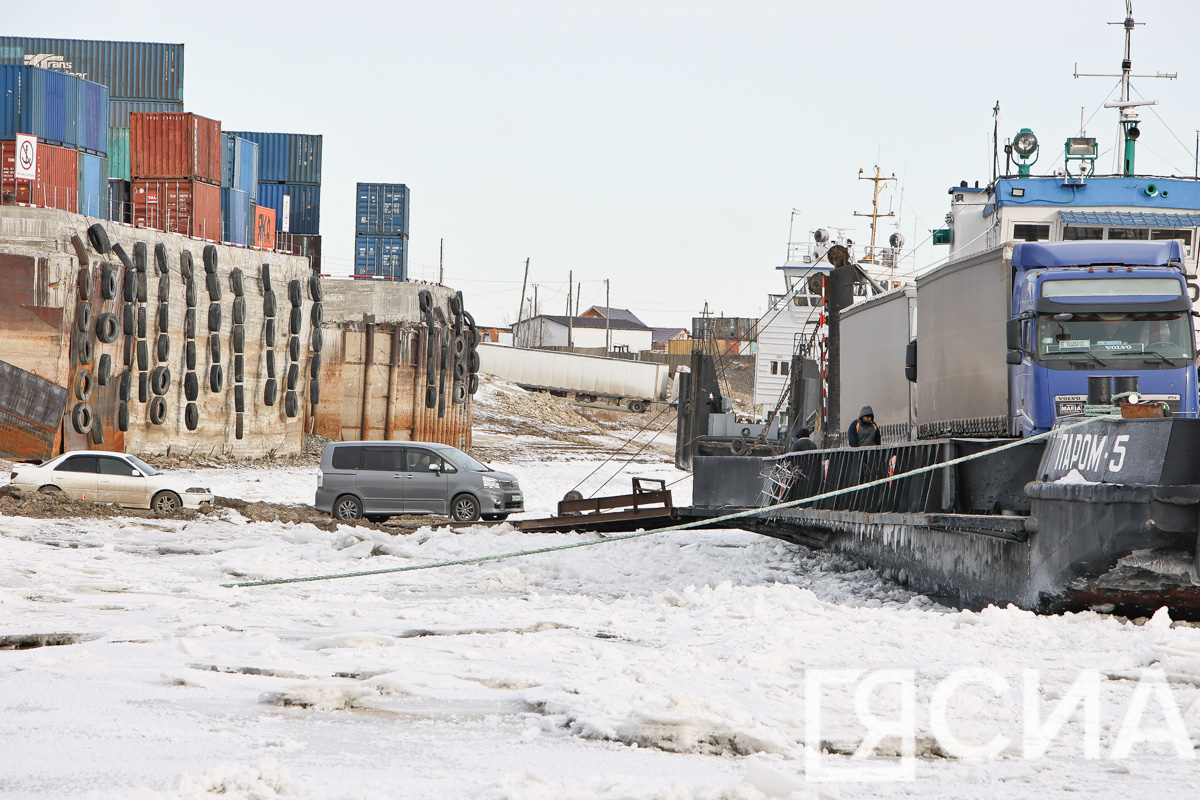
point(662, 145)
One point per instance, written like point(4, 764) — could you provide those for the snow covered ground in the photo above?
point(694, 664)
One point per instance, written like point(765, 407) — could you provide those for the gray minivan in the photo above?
point(378, 479)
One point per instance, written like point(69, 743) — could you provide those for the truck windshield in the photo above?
point(1149, 338)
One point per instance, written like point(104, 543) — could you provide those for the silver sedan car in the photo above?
point(104, 477)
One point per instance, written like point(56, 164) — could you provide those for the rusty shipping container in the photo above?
point(192, 208)
point(175, 146)
point(264, 227)
point(57, 183)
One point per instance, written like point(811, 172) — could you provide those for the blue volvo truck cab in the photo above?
point(1098, 308)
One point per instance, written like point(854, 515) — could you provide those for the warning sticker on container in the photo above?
point(26, 168)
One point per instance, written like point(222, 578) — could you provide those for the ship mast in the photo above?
point(874, 215)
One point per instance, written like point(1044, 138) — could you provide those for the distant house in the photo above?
point(615, 314)
point(497, 335)
point(664, 336)
point(549, 330)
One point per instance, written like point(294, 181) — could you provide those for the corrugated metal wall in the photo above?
point(131, 70)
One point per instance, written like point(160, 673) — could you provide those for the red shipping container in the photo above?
point(192, 208)
point(180, 145)
point(264, 227)
point(57, 184)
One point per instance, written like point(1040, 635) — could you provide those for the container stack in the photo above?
point(239, 187)
point(68, 115)
point(381, 231)
point(175, 164)
point(289, 182)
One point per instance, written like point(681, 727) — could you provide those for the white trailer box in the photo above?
point(875, 336)
point(586, 377)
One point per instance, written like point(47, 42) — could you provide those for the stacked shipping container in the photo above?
point(175, 164)
point(381, 230)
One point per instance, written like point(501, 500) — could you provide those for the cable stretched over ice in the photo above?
point(682, 526)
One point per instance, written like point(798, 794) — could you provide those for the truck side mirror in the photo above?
point(910, 361)
point(1014, 357)
point(1013, 334)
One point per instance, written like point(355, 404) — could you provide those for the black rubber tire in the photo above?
point(158, 410)
point(265, 274)
point(143, 354)
point(314, 392)
point(143, 387)
point(745, 432)
point(190, 295)
point(139, 256)
point(160, 258)
point(129, 320)
point(378, 519)
point(238, 337)
point(269, 332)
point(191, 416)
point(291, 405)
point(107, 327)
point(236, 282)
point(210, 258)
point(84, 349)
point(163, 317)
point(637, 406)
point(268, 303)
point(239, 311)
point(295, 319)
point(98, 237)
point(160, 380)
point(239, 398)
point(270, 363)
point(186, 270)
point(430, 369)
point(315, 290)
point(164, 288)
point(318, 340)
point(166, 503)
point(317, 315)
point(141, 287)
point(456, 305)
point(85, 381)
point(460, 346)
point(189, 323)
point(314, 366)
point(123, 256)
point(189, 354)
point(214, 348)
point(163, 348)
point(473, 362)
point(82, 418)
point(109, 284)
point(494, 517)
point(425, 301)
point(191, 386)
point(431, 397)
point(472, 384)
point(216, 379)
point(293, 376)
point(347, 508)
point(104, 370)
point(464, 508)
point(213, 284)
point(294, 296)
point(124, 385)
point(129, 292)
point(123, 417)
point(460, 371)
point(83, 316)
point(239, 368)
point(141, 321)
point(459, 393)
point(270, 392)
point(96, 434)
point(214, 316)
point(294, 348)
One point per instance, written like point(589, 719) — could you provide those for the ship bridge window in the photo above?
point(1028, 232)
point(1184, 236)
point(1114, 287)
point(1129, 233)
point(1074, 233)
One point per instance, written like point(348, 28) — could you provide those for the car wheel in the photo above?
point(54, 490)
point(495, 517)
point(378, 518)
point(166, 503)
point(347, 508)
point(464, 508)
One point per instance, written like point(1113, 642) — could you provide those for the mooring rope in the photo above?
point(682, 526)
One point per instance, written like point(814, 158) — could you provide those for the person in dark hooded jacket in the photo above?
point(863, 431)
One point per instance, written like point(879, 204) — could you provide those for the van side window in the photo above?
point(346, 457)
point(382, 459)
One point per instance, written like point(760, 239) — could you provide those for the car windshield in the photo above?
point(1100, 337)
point(463, 461)
point(146, 469)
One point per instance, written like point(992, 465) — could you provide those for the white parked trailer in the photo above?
point(587, 378)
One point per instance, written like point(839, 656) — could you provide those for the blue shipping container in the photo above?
point(239, 164)
point(236, 220)
point(131, 70)
point(93, 186)
point(382, 209)
point(120, 109)
point(45, 104)
point(304, 215)
point(381, 255)
point(286, 157)
point(93, 117)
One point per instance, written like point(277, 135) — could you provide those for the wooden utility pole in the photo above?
point(521, 308)
point(579, 290)
point(442, 262)
point(570, 317)
point(607, 320)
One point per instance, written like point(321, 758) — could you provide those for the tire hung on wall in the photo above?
point(186, 270)
point(98, 237)
point(294, 296)
point(104, 369)
point(143, 387)
point(83, 316)
point(214, 348)
point(293, 376)
point(291, 404)
point(109, 284)
point(189, 323)
point(459, 392)
point(129, 320)
point(83, 348)
point(84, 381)
point(314, 392)
point(270, 392)
point(236, 282)
point(318, 340)
point(210, 258)
point(189, 354)
point(239, 368)
point(314, 366)
point(143, 354)
point(473, 384)
point(160, 258)
point(270, 363)
point(213, 284)
point(191, 416)
point(158, 410)
point(431, 396)
point(268, 303)
point(216, 379)
point(139, 256)
point(120, 253)
point(164, 288)
point(107, 327)
point(239, 398)
point(238, 336)
point(191, 386)
point(294, 321)
point(124, 386)
point(160, 380)
point(123, 417)
point(129, 291)
point(239, 310)
point(141, 321)
point(214, 317)
point(315, 290)
point(190, 295)
point(163, 317)
point(81, 418)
